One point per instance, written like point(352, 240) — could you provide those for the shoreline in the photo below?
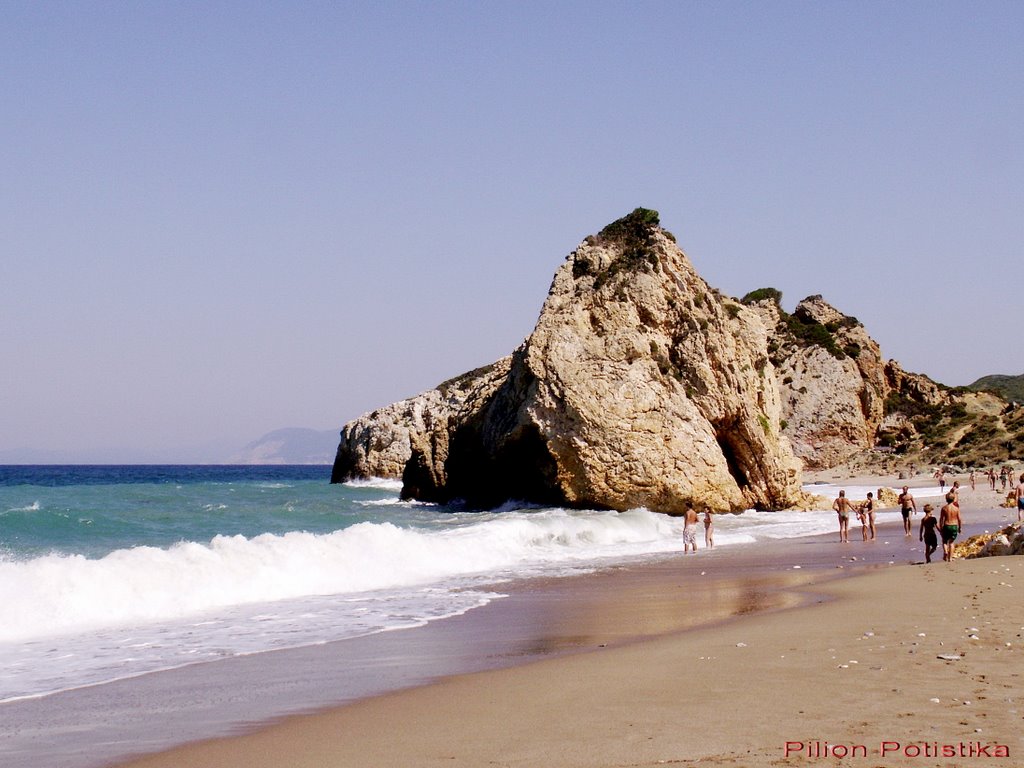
point(556, 621)
point(584, 622)
point(793, 687)
point(538, 619)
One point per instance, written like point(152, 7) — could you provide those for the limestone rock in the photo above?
point(1008, 541)
point(832, 379)
point(643, 386)
point(887, 497)
point(639, 386)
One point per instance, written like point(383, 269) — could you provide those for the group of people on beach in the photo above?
point(865, 512)
point(947, 525)
point(690, 530)
point(1005, 476)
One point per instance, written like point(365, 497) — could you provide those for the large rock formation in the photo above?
point(643, 386)
point(640, 386)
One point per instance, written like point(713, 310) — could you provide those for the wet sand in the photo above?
point(731, 657)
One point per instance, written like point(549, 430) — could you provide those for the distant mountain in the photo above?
point(293, 445)
point(1009, 387)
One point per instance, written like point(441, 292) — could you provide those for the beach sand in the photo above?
point(729, 657)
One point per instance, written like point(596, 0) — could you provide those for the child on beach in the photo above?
point(926, 533)
point(709, 528)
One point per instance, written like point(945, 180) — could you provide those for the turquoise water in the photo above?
point(110, 572)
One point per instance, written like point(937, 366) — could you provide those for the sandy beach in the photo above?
point(806, 652)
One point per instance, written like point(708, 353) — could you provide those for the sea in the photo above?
point(109, 572)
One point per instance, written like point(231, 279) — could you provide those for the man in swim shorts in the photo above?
point(843, 507)
point(907, 505)
point(690, 530)
point(949, 526)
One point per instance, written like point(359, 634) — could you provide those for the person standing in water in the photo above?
point(907, 506)
point(709, 530)
point(690, 530)
point(843, 508)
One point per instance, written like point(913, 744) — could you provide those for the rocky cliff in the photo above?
point(639, 386)
point(643, 386)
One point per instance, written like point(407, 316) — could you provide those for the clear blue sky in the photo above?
point(219, 218)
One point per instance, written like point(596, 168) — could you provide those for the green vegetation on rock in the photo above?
point(774, 294)
point(634, 234)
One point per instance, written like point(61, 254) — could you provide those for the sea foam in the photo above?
point(58, 594)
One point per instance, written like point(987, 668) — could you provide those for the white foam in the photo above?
point(384, 483)
point(232, 594)
point(57, 594)
point(859, 492)
point(33, 507)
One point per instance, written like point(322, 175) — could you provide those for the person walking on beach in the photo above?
point(971, 478)
point(949, 526)
point(926, 533)
point(1019, 492)
point(843, 508)
point(709, 530)
point(1002, 477)
point(907, 506)
point(941, 477)
point(690, 529)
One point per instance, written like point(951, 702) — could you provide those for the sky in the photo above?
point(218, 219)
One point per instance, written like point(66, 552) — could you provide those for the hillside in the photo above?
point(1008, 387)
point(292, 445)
